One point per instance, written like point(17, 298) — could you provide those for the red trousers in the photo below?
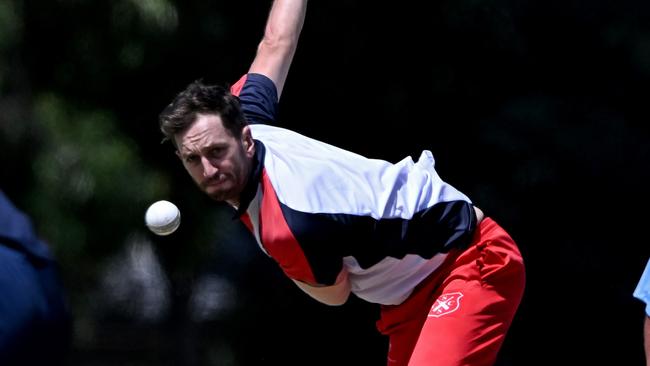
point(460, 314)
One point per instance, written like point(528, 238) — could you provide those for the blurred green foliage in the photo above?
point(90, 184)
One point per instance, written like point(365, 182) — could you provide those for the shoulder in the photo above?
point(258, 97)
point(254, 82)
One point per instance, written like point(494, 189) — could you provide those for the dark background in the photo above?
point(536, 109)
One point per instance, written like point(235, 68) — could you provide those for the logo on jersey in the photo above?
point(445, 304)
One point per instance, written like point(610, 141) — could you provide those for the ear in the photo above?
point(247, 141)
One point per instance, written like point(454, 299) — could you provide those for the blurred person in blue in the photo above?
point(35, 321)
point(642, 292)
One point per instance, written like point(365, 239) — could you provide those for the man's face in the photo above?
point(218, 162)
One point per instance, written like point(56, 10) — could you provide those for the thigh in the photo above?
point(474, 306)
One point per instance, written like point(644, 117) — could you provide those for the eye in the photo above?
point(216, 152)
point(191, 159)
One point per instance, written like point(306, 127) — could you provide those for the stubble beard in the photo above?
point(219, 194)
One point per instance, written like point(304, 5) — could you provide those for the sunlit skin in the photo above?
point(218, 162)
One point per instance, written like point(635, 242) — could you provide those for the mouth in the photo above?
point(214, 181)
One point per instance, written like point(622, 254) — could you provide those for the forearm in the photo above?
point(285, 22)
point(334, 295)
point(278, 46)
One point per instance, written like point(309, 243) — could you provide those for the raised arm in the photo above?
point(275, 51)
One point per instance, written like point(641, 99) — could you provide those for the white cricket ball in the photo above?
point(162, 217)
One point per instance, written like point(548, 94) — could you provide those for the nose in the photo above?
point(209, 169)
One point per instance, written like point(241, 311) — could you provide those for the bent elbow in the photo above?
point(336, 301)
point(335, 295)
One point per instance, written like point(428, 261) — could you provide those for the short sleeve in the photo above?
point(258, 97)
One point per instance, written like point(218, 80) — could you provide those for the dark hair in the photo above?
point(199, 98)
